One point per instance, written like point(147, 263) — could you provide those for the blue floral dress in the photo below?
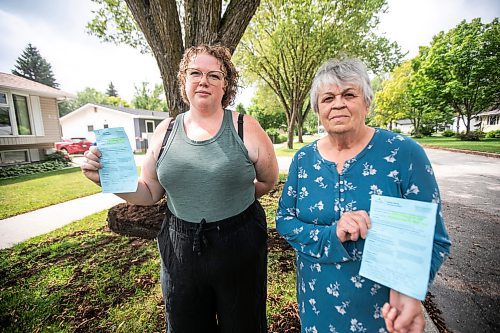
point(332, 296)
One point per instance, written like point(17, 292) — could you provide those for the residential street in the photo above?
point(467, 289)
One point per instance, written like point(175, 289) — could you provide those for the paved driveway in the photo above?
point(467, 289)
point(470, 180)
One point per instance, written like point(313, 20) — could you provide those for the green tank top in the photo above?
point(211, 179)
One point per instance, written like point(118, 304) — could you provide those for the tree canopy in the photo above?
point(167, 34)
point(287, 41)
point(457, 73)
point(393, 99)
point(147, 99)
point(111, 91)
point(460, 70)
point(32, 66)
point(89, 95)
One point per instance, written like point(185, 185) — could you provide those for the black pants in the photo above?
point(214, 274)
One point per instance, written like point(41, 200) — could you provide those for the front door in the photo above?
point(150, 128)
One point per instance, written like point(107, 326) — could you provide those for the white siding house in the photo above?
point(404, 125)
point(138, 124)
point(459, 125)
point(489, 120)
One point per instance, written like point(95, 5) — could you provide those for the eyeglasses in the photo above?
point(213, 77)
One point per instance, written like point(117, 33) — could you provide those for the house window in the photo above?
point(493, 120)
point(15, 114)
point(22, 114)
point(90, 128)
point(14, 156)
point(3, 99)
point(5, 125)
point(150, 126)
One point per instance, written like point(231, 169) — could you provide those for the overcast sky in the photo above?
point(57, 29)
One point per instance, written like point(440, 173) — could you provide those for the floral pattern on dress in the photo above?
point(331, 294)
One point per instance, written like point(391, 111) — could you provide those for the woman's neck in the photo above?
point(200, 125)
point(350, 141)
point(339, 148)
point(202, 116)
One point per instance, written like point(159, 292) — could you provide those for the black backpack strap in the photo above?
point(167, 134)
point(240, 126)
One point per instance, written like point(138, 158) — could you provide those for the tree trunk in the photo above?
point(467, 125)
point(300, 124)
point(301, 118)
point(291, 126)
point(300, 129)
point(159, 22)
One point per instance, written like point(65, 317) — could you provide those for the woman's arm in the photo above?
point(403, 314)
point(261, 153)
point(149, 190)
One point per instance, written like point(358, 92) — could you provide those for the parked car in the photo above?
point(73, 145)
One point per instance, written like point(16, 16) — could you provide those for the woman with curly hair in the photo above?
point(212, 164)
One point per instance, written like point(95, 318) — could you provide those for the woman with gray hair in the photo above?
point(323, 209)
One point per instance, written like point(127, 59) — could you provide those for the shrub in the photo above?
point(397, 130)
point(448, 133)
point(281, 138)
point(471, 136)
point(427, 130)
point(59, 156)
point(275, 135)
point(54, 161)
point(418, 135)
point(493, 134)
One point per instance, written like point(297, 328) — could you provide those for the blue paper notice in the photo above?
point(119, 172)
point(398, 247)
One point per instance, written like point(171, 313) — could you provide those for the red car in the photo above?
point(73, 145)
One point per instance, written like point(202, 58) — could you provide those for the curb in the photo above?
point(430, 327)
point(471, 152)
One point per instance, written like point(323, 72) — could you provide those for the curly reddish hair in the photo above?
point(223, 55)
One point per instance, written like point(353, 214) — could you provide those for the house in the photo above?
point(138, 124)
point(29, 119)
point(404, 125)
point(458, 125)
point(489, 120)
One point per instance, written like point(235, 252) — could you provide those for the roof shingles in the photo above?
point(12, 81)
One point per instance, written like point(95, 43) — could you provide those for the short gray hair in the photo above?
point(340, 73)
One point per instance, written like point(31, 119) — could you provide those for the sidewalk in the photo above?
point(19, 228)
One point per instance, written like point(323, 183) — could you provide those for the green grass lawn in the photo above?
point(489, 145)
point(26, 193)
point(84, 278)
point(284, 151)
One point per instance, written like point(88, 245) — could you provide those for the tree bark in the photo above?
point(235, 21)
point(159, 22)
